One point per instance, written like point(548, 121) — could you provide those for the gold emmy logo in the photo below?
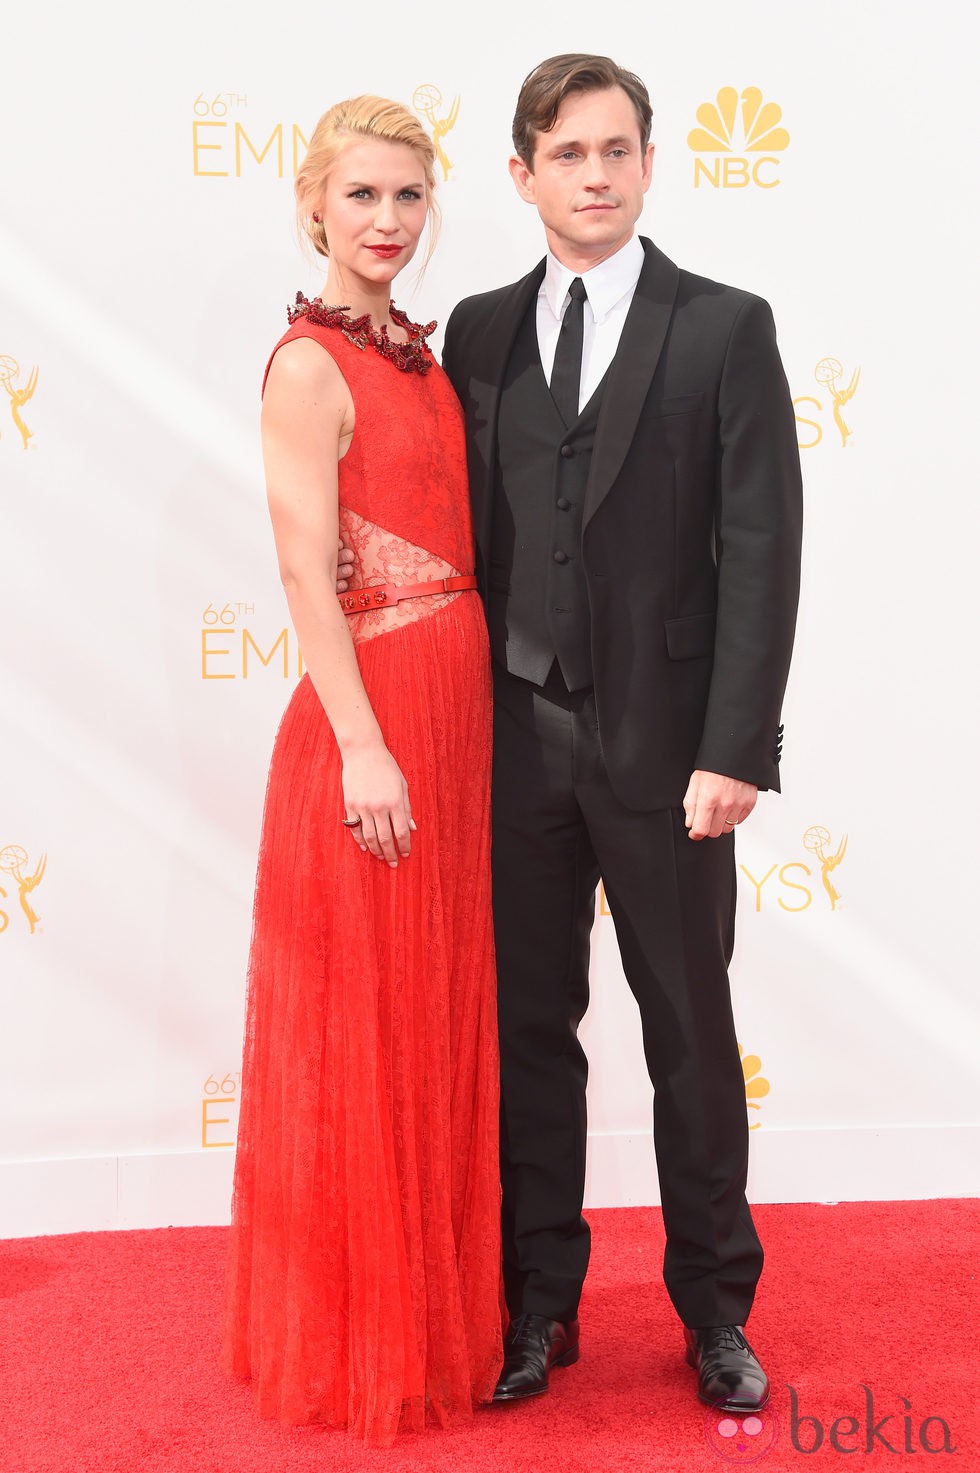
point(221, 1095)
point(229, 649)
point(19, 394)
point(14, 862)
point(427, 100)
point(791, 877)
point(240, 150)
point(757, 125)
point(829, 374)
point(817, 841)
point(756, 1085)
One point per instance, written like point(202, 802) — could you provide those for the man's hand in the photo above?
point(713, 804)
point(345, 567)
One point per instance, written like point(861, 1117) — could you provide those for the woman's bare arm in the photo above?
point(307, 421)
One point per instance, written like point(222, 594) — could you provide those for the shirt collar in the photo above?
point(606, 284)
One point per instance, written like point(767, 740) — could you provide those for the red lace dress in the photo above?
point(364, 1271)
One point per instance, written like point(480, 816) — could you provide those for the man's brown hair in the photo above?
point(545, 89)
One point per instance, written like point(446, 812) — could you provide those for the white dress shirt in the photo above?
point(610, 287)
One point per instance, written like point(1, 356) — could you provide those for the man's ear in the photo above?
point(647, 167)
point(523, 179)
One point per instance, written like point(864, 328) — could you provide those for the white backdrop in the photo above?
point(146, 255)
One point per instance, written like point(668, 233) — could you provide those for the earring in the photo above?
point(316, 218)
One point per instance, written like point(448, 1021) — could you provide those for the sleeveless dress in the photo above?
point(364, 1270)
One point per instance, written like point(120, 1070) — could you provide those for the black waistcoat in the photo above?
point(537, 597)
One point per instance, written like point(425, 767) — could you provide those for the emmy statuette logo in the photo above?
point(817, 841)
point(15, 863)
point(830, 375)
point(733, 126)
point(427, 102)
point(18, 394)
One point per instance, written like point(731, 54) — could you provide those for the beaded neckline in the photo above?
point(411, 357)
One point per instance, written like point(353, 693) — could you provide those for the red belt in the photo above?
point(379, 595)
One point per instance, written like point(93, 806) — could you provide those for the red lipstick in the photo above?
point(387, 252)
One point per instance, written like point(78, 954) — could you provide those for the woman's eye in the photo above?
point(410, 194)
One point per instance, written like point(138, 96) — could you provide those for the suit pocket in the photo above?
point(682, 405)
point(691, 637)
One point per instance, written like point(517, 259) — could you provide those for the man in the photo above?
point(637, 510)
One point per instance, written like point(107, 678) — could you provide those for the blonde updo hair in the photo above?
point(344, 123)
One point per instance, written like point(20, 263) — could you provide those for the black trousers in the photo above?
point(558, 826)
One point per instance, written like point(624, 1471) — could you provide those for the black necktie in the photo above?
point(566, 375)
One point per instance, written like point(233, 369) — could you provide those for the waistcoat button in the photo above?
point(561, 557)
point(567, 452)
point(563, 503)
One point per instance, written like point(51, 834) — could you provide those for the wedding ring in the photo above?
point(351, 823)
point(730, 822)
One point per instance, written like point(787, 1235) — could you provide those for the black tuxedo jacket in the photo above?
point(691, 527)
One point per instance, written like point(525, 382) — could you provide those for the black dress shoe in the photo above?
point(533, 1345)
point(729, 1376)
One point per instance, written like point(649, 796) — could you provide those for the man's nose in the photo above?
point(596, 172)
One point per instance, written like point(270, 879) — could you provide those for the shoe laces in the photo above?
point(729, 1337)
point(523, 1329)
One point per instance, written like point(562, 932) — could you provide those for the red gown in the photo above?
point(363, 1286)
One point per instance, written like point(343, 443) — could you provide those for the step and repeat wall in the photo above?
point(819, 157)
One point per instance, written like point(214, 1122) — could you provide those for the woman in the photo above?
point(363, 1282)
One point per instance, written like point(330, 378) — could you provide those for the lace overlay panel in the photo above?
point(380, 556)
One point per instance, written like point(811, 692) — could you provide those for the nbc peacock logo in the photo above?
point(737, 124)
point(756, 1084)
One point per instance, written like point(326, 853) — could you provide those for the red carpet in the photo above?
point(109, 1359)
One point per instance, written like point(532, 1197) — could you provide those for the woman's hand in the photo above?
point(376, 792)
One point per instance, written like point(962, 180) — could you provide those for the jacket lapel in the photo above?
point(485, 386)
point(631, 372)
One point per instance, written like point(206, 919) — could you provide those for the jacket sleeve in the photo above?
point(450, 349)
point(758, 528)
